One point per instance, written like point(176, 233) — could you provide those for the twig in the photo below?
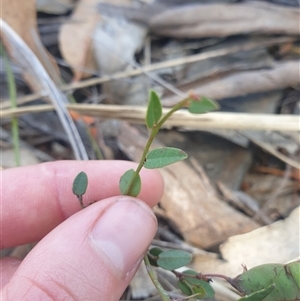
point(182, 118)
point(154, 67)
point(13, 96)
point(282, 75)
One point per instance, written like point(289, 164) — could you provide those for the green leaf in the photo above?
point(173, 259)
point(161, 157)
point(155, 251)
point(154, 110)
point(189, 289)
point(185, 288)
point(277, 279)
point(80, 184)
point(199, 286)
point(153, 255)
point(260, 295)
point(125, 182)
point(202, 105)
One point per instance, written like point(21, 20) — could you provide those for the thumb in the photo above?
point(93, 255)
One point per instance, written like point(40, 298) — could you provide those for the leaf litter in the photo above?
point(259, 79)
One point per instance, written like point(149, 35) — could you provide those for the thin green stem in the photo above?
point(13, 100)
point(153, 133)
point(95, 146)
point(177, 107)
point(204, 277)
point(163, 294)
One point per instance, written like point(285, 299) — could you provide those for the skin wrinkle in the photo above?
point(63, 216)
point(64, 288)
point(8, 266)
point(38, 287)
point(68, 271)
point(51, 290)
point(83, 281)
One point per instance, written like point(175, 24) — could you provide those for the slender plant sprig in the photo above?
point(154, 130)
point(13, 100)
point(130, 182)
point(271, 281)
point(163, 294)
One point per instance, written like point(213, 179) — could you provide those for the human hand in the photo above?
point(89, 254)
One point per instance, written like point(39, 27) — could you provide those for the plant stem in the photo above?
point(204, 277)
point(153, 133)
point(177, 107)
point(13, 100)
point(163, 294)
point(80, 201)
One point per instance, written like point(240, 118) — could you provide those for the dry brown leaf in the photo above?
point(75, 38)
point(21, 16)
point(283, 74)
point(275, 243)
point(115, 44)
point(192, 204)
point(225, 19)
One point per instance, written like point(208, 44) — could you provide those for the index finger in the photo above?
point(35, 199)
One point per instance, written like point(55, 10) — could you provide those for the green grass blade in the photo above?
point(12, 91)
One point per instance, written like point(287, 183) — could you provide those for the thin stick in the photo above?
point(154, 67)
point(13, 100)
point(216, 120)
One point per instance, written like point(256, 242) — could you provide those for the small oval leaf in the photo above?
point(161, 157)
point(125, 182)
point(155, 251)
point(80, 184)
point(173, 259)
point(184, 287)
point(153, 255)
point(154, 110)
point(202, 105)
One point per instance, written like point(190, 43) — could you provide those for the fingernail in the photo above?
point(124, 232)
